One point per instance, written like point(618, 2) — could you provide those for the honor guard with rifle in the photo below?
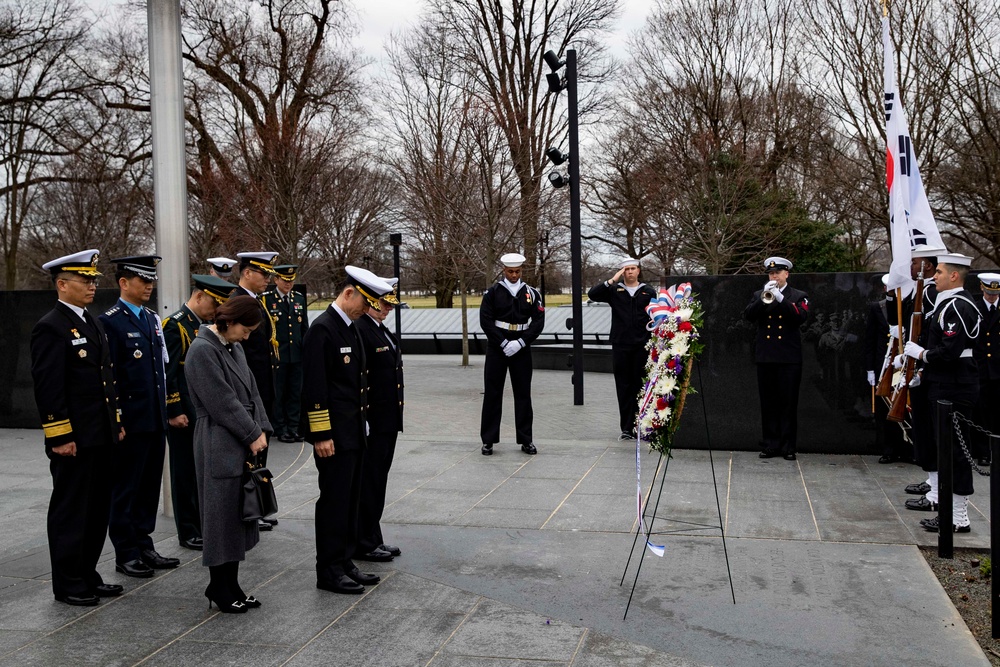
point(877, 350)
point(778, 310)
point(949, 369)
point(987, 355)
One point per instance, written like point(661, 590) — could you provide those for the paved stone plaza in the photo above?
point(515, 560)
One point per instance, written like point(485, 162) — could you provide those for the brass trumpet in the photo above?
point(767, 296)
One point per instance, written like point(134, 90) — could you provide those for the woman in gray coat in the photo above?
point(230, 427)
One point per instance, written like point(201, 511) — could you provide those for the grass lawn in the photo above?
point(474, 300)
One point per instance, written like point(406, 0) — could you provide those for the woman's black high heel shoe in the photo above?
point(251, 602)
point(234, 607)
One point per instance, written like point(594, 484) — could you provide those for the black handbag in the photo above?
point(259, 500)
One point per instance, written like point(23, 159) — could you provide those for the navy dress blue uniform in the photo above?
point(509, 317)
point(291, 321)
point(137, 353)
point(778, 353)
point(75, 393)
point(889, 438)
point(629, 337)
point(987, 356)
point(921, 425)
point(385, 417)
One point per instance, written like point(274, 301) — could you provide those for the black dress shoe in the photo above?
point(391, 549)
point(363, 578)
point(271, 520)
point(918, 489)
point(487, 449)
point(788, 457)
point(294, 435)
point(195, 544)
point(158, 562)
point(885, 459)
point(921, 504)
point(78, 600)
point(134, 568)
point(376, 556)
point(934, 526)
point(767, 455)
point(263, 526)
point(108, 590)
point(340, 584)
point(529, 449)
point(285, 437)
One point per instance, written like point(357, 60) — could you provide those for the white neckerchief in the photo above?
point(941, 296)
point(348, 321)
point(76, 309)
point(633, 290)
point(513, 288)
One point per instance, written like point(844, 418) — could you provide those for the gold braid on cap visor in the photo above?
point(372, 300)
point(267, 268)
point(82, 270)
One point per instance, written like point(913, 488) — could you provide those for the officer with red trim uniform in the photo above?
point(75, 394)
point(178, 331)
point(512, 316)
point(778, 310)
point(288, 310)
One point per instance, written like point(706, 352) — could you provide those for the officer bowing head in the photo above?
point(209, 293)
point(135, 277)
point(256, 269)
point(388, 301)
point(75, 277)
point(221, 267)
point(361, 291)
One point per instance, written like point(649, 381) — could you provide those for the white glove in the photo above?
point(770, 285)
point(915, 381)
point(513, 347)
point(871, 378)
point(913, 350)
point(778, 296)
point(897, 361)
point(894, 331)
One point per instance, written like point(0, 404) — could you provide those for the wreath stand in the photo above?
point(661, 472)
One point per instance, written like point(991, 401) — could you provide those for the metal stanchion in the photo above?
point(994, 537)
point(945, 444)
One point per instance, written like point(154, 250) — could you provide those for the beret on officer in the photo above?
point(371, 286)
point(223, 265)
point(287, 272)
point(777, 264)
point(990, 282)
point(512, 260)
point(82, 263)
point(217, 288)
point(955, 259)
point(142, 266)
point(262, 261)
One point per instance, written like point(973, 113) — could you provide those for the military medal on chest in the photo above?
point(347, 358)
point(137, 354)
point(82, 353)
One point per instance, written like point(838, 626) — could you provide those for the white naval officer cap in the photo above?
point(393, 296)
point(990, 282)
point(628, 261)
point(83, 263)
point(223, 265)
point(777, 264)
point(262, 261)
point(955, 259)
point(368, 284)
point(512, 260)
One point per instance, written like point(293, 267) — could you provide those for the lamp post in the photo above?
point(558, 180)
point(396, 240)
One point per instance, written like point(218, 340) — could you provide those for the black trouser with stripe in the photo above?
point(496, 366)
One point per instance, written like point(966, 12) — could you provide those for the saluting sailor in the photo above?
point(75, 394)
point(137, 351)
point(512, 315)
point(178, 331)
point(779, 310)
point(335, 401)
point(287, 308)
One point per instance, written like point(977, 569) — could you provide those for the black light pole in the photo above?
point(558, 180)
point(396, 240)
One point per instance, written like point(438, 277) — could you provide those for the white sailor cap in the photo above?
point(143, 266)
point(512, 260)
point(371, 286)
point(628, 261)
point(777, 264)
point(223, 265)
point(955, 259)
point(262, 261)
point(81, 263)
point(885, 280)
point(924, 252)
point(990, 282)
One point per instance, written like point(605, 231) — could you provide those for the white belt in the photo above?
point(966, 353)
point(511, 327)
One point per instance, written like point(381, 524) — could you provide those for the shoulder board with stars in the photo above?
point(112, 310)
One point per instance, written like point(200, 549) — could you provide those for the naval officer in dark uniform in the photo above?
point(335, 401)
point(261, 348)
point(949, 368)
point(628, 299)
point(385, 418)
point(291, 321)
point(778, 310)
point(987, 356)
point(512, 315)
point(137, 351)
point(221, 267)
point(75, 394)
point(178, 331)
